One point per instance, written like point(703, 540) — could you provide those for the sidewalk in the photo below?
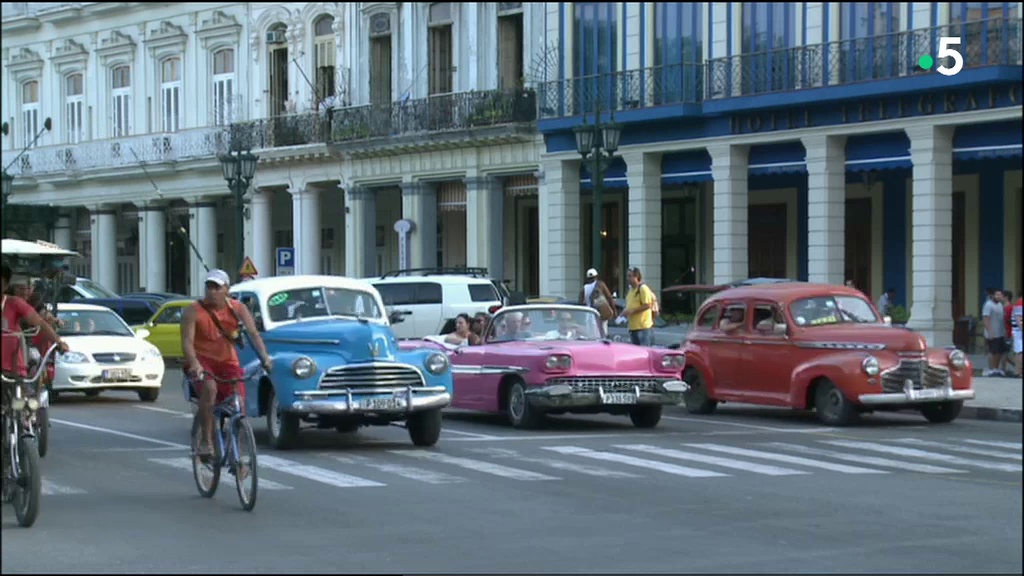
point(996, 399)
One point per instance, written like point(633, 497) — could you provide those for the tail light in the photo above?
point(494, 309)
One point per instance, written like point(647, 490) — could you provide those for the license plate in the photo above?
point(117, 375)
point(620, 398)
point(382, 404)
point(926, 394)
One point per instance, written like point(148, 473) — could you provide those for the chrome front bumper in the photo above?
point(912, 396)
point(563, 396)
point(349, 401)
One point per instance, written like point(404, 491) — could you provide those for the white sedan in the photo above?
point(105, 354)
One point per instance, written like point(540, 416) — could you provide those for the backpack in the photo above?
point(655, 308)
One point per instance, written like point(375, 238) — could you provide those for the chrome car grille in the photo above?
point(918, 371)
point(608, 384)
point(371, 375)
point(114, 357)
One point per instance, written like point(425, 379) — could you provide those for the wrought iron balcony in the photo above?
point(991, 42)
point(129, 151)
point(627, 90)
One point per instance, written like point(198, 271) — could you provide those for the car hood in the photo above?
point(355, 341)
point(107, 344)
point(599, 357)
point(869, 335)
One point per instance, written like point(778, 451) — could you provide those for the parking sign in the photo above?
point(285, 261)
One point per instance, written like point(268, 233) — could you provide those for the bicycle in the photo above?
point(234, 431)
point(22, 478)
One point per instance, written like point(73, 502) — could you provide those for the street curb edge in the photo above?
point(1011, 415)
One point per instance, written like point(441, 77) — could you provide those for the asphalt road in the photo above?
point(744, 490)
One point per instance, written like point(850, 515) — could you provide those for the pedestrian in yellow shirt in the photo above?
point(639, 300)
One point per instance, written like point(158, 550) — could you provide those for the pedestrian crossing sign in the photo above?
point(248, 268)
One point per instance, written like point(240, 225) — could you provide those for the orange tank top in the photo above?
point(209, 342)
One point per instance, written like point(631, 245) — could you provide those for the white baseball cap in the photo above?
point(218, 276)
point(592, 273)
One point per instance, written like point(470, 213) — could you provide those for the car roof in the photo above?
point(541, 306)
point(15, 247)
point(176, 302)
point(73, 307)
point(277, 283)
point(784, 291)
point(438, 278)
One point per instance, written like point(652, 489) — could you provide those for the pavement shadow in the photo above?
point(560, 423)
point(810, 418)
point(111, 398)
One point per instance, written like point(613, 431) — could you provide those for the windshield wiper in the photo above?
point(108, 333)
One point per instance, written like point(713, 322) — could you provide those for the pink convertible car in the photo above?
point(553, 359)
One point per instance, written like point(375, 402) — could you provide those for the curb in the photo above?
point(1012, 415)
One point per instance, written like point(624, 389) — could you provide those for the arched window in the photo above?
point(30, 110)
point(224, 86)
point(121, 93)
point(170, 94)
point(74, 107)
point(324, 56)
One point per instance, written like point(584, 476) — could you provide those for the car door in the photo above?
point(727, 351)
point(400, 297)
point(247, 356)
point(468, 392)
point(165, 330)
point(764, 355)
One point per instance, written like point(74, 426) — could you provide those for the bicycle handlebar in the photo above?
point(203, 375)
point(39, 371)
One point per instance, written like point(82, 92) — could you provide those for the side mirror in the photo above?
point(142, 333)
point(781, 329)
point(887, 320)
point(396, 317)
point(259, 323)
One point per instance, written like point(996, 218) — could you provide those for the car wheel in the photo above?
point(696, 398)
point(424, 427)
point(833, 407)
point(645, 416)
point(282, 427)
point(942, 412)
point(149, 394)
point(520, 413)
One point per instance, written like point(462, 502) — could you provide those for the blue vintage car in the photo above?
point(336, 361)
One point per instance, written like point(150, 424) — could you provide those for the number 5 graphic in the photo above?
point(946, 50)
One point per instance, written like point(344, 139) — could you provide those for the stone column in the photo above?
point(485, 225)
point(360, 232)
point(152, 249)
point(260, 241)
point(729, 164)
point(826, 209)
point(103, 223)
point(643, 174)
point(419, 204)
point(561, 269)
point(306, 230)
point(62, 232)
point(202, 231)
point(931, 311)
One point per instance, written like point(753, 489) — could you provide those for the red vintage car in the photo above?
point(553, 359)
point(817, 346)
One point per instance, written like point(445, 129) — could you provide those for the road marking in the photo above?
point(706, 459)
point(420, 474)
point(50, 488)
point(175, 413)
point(476, 465)
point(788, 459)
point(751, 426)
point(961, 449)
point(995, 443)
point(874, 460)
point(582, 436)
point(119, 433)
point(633, 461)
point(143, 449)
point(314, 473)
point(470, 434)
point(925, 455)
point(557, 464)
point(185, 463)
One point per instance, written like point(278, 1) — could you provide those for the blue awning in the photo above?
point(614, 175)
point(987, 141)
point(686, 167)
point(782, 158)
point(887, 151)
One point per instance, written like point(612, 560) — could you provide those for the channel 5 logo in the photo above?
point(947, 49)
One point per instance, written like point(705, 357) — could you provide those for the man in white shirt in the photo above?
point(596, 295)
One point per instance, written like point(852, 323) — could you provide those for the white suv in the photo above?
point(428, 300)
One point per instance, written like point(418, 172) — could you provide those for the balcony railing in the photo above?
point(627, 90)
point(982, 43)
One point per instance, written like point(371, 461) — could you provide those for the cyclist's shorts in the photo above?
point(225, 370)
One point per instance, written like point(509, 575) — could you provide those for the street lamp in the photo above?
point(598, 142)
point(239, 169)
point(8, 179)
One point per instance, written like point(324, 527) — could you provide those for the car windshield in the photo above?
point(94, 289)
point(91, 323)
point(320, 302)
point(823, 310)
point(546, 324)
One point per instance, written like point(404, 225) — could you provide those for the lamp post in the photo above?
point(8, 185)
point(8, 179)
point(239, 169)
point(597, 143)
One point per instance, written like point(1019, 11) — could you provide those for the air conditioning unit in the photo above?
point(275, 37)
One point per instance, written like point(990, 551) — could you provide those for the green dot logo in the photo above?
point(926, 62)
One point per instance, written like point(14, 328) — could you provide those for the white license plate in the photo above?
point(620, 398)
point(382, 404)
point(926, 394)
point(117, 375)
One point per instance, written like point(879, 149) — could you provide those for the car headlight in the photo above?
point(871, 366)
point(72, 357)
point(957, 360)
point(151, 354)
point(558, 362)
point(436, 363)
point(673, 361)
point(303, 367)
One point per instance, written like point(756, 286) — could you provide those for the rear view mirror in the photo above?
point(781, 329)
point(259, 323)
point(887, 320)
point(142, 333)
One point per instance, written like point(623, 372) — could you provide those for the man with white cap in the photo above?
point(596, 295)
point(209, 338)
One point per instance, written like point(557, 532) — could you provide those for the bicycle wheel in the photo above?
point(246, 475)
point(30, 483)
point(43, 430)
point(206, 474)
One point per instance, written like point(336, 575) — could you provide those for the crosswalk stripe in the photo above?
point(873, 460)
point(717, 461)
point(925, 455)
point(50, 488)
point(995, 443)
point(419, 474)
point(961, 449)
point(314, 473)
point(476, 465)
point(185, 463)
point(633, 461)
point(788, 459)
point(554, 463)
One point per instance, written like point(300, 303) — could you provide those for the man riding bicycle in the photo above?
point(209, 336)
point(15, 312)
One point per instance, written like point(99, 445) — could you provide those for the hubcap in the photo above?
point(517, 404)
point(834, 401)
